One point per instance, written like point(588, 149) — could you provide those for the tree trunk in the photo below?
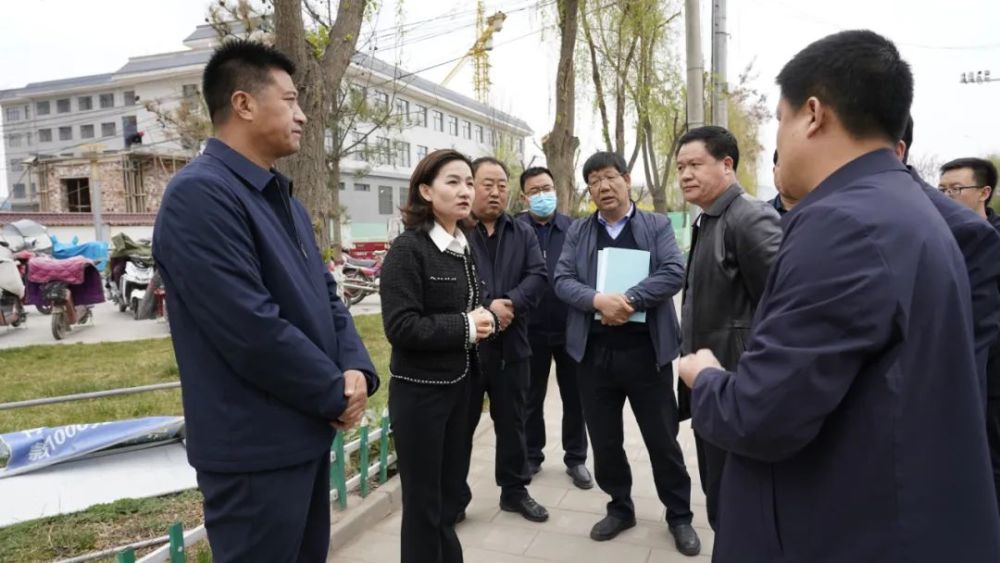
point(560, 144)
point(316, 80)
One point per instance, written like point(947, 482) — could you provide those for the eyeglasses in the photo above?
point(540, 189)
point(596, 182)
point(955, 190)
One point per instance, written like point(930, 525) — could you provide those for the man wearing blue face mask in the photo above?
point(547, 336)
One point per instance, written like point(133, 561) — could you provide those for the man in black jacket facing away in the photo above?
point(511, 266)
point(733, 245)
point(547, 335)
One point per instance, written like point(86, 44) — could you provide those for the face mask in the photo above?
point(542, 204)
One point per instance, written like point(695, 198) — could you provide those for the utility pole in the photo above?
point(93, 152)
point(720, 113)
point(695, 65)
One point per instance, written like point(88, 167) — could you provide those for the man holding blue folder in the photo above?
point(622, 329)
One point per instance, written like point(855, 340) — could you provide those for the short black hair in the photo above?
point(239, 65)
point(719, 142)
point(861, 75)
point(604, 159)
point(983, 171)
point(489, 160)
point(535, 171)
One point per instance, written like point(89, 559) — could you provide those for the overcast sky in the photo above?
point(53, 39)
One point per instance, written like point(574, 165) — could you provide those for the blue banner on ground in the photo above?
point(30, 450)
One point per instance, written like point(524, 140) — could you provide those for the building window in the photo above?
point(34, 190)
point(77, 194)
point(107, 101)
point(404, 193)
point(421, 152)
point(27, 139)
point(15, 165)
point(84, 103)
point(403, 112)
point(467, 129)
point(520, 146)
point(86, 131)
point(130, 97)
point(479, 133)
point(383, 152)
point(402, 154)
point(62, 106)
point(359, 148)
point(12, 114)
point(18, 191)
point(14, 141)
point(493, 138)
point(381, 100)
point(452, 125)
point(362, 187)
point(342, 187)
point(129, 125)
point(108, 130)
point(420, 116)
point(44, 135)
point(42, 108)
point(188, 90)
point(65, 133)
point(438, 120)
point(385, 200)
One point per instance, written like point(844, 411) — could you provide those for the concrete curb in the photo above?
point(363, 513)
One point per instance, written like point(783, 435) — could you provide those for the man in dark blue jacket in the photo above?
point(510, 265)
point(854, 422)
point(621, 360)
point(547, 335)
point(270, 361)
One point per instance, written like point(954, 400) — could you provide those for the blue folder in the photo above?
point(620, 269)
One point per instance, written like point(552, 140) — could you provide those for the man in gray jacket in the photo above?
point(619, 359)
point(733, 244)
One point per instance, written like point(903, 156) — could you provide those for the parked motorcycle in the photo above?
point(70, 287)
point(361, 277)
point(130, 271)
point(26, 239)
point(11, 290)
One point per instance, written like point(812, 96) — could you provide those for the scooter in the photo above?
point(11, 291)
point(361, 278)
point(70, 287)
point(131, 286)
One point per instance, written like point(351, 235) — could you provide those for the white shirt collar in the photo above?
point(445, 241)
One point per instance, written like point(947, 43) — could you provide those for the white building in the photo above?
point(60, 118)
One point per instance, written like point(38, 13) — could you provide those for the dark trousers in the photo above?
point(609, 375)
point(574, 431)
point(993, 436)
point(711, 461)
point(506, 384)
point(281, 515)
point(428, 423)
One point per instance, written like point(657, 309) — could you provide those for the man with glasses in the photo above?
point(512, 271)
point(547, 336)
point(971, 181)
point(619, 359)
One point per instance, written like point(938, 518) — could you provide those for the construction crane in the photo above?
point(479, 52)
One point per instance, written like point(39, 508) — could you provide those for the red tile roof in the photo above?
point(80, 219)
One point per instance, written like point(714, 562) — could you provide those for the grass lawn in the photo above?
point(45, 371)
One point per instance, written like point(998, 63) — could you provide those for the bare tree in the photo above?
point(560, 144)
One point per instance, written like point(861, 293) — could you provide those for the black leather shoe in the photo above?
point(526, 507)
point(581, 477)
point(610, 527)
point(686, 539)
point(460, 518)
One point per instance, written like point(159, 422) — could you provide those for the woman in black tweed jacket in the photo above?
point(433, 318)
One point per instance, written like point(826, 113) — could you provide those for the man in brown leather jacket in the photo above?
point(733, 244)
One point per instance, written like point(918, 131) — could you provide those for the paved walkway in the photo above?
point(492, 536)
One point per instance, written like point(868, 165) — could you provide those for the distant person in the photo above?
point(433, 319)
point(733, 244)
point(547, 336)
point(270, 361)
point(853, 423)
point(621, 360)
